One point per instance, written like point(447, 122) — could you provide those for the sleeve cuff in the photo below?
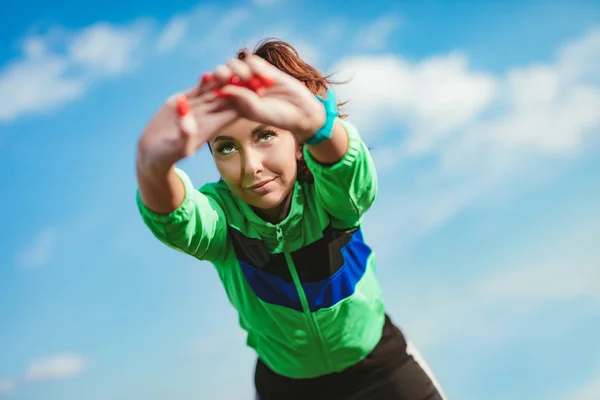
point(180, 213)
point(348, 160)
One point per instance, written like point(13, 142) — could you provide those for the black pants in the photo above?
point(387, 373)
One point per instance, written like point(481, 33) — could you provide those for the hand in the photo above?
point(284, 102)
point(182, 125)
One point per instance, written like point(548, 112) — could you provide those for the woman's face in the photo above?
point(257, 162)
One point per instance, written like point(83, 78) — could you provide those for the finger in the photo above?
point(183, 107)
point(187, 121)
point(222, 75)
point(172, 101)
point(192, 92)
point(240, 69)
point(266, 71)
point(209, 103)
point(189, 129)
point(248, 103)
point(202, 99)
point(207, 83)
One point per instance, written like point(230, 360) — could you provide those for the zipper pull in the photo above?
point(279, 233)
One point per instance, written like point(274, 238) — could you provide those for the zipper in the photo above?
point(312, 325)
point(279, 233)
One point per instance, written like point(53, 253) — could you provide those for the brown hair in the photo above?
point(286, 58)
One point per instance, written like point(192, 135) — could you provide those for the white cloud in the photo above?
point(7, 386)
point(377, 35)
point(579, 59)
point(106, 48)
point(56, 367)
point(482, 136)
point(221, 34)
point(433, 98)
point(33, 85)
point(548, 112)
point(589, 391)
point(172, 34)
point(59, 67)
point(510, 301)
point(40, 249)
point(547, 107)
point(472, 311)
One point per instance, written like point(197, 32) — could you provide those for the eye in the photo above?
point(267, 135)
point(225, 148)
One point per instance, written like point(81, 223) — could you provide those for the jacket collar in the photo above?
point(275, 235)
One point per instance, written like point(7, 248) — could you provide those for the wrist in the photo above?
point(323, 124)
point(145, 165)
point(311, 124)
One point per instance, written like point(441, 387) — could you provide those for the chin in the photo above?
point(268, 201)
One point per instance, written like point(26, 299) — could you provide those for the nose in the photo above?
point(252, 163)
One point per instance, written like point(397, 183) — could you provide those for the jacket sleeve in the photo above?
point(197, 227)
point(347, 189)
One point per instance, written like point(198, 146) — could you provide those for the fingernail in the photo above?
point(183, 107)
point(267, 82)
point(221, 94)
point(254, 83)
point(236, 81)
point(205, 77)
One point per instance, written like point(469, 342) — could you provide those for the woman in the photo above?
point(282, 226)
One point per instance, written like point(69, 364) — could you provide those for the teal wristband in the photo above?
point(331, 113)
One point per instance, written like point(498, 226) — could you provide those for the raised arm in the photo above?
point(196, 226)
point(176, 213)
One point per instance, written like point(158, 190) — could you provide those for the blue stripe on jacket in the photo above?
point(321, 294)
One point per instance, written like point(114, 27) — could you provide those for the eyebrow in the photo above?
point(255, 131)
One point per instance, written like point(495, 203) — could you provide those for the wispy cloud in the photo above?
point(172, 34)
point(432, 98)
point(470, 311)
point(40, 249)
point(484, 133)
point(589, 391)
point(56, 367)
point(548, 107)
point(6, 387)
point(377, 35)
point(495, 301)
point(59, 66)
point(105, 48)
point(223, 31)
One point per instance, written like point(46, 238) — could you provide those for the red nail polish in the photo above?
point(221, 94)
point(267, 82)
point(236, 81)
point(205, 77)
point(254, 83)
point(183, 107)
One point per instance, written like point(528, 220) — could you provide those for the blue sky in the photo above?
point(484, 120)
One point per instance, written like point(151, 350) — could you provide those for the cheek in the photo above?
point(283, 162)
point(229, 171)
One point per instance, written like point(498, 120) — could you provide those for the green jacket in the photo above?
point(305, 289)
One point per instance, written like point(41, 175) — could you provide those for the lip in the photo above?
point(261, 184)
